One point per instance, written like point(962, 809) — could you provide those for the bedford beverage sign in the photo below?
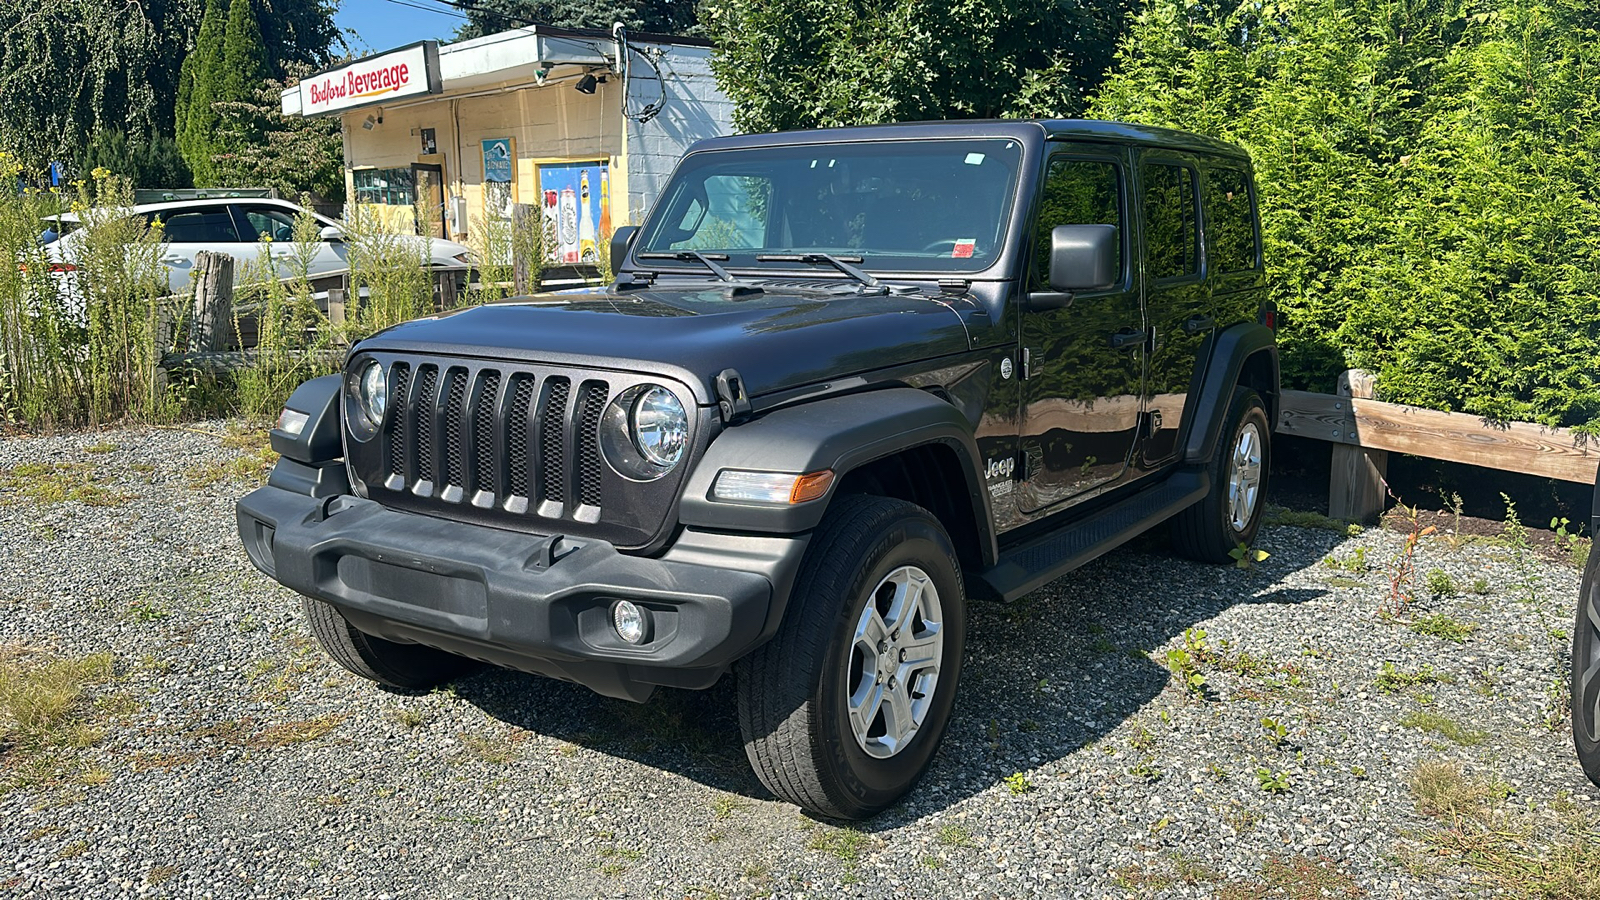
point(373, 81)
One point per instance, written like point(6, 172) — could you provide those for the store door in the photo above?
point(429, 179)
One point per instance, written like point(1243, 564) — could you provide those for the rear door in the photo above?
point(258, 220)
point(187, 231)
point(1176, 296)
point(1082, 365)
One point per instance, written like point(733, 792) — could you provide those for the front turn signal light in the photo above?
point(740, 486)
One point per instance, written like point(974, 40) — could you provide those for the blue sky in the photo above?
point(382, 25)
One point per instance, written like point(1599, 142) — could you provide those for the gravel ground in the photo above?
point(237, 761)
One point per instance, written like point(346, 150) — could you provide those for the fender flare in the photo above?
point(1226, 361)
point(840, 433)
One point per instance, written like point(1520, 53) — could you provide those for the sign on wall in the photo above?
point(406, 72)
point(576, 200)
point(499, 178)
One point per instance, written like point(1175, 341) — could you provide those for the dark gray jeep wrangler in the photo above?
point(844, 381)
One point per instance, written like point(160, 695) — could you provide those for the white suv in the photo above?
point(235, 227)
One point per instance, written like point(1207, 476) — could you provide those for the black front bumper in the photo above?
point(536, 603)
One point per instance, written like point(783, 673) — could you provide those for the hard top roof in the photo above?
point(1066, 129)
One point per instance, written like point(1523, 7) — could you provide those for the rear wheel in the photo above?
point(844, 708)
point(1230, 514)
point(1586, 672)
point(406, 667)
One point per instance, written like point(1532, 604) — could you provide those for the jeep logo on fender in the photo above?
point(1001, 468)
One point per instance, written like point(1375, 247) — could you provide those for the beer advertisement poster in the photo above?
point(576, 199)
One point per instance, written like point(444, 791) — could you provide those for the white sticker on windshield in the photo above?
point(974, 159)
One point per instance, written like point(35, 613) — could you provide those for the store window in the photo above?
point(390, 187)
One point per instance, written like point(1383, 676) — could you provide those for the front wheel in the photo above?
point(1586, 672)
point(1230, 514)
point(843, 709)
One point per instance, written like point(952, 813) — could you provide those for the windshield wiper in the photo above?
point(709, 261)
point(828, 258)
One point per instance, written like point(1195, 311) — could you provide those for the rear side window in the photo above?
point(264, 221)
point(1171, 225)
point(1076, 192)
point(210, 227)
point(1230, 220)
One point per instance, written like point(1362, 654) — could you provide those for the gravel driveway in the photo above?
point(233, 760)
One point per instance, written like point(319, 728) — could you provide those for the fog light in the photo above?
point(631, 622)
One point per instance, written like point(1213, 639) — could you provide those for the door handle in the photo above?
point(1127, 339)
point(1197, 324)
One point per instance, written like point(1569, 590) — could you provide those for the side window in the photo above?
point(1171, 228)
point(1076, 192)
point(265, 221)
point(213, 226)
point(733, 218)
point(1230, 220)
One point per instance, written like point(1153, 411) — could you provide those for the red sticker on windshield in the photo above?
point(964, 249)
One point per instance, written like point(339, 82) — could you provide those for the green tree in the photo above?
point(811, 63)
point(292, 154)
point(152, 163)
point(664, 16)
point(202, 73)
point(1426, 178)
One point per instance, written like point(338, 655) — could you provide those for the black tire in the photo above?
point(793, 693)
point(404, 667)
point(1206, 531)
point(1586, 672)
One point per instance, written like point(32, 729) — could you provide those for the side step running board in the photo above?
point(1028, 566)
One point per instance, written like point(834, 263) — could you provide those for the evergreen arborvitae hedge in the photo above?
point(1429, 173)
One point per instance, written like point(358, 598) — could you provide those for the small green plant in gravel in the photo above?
point(1018, 784)
point(1444, 726)
point(50, 483)
point(1354, 563)
point(1403, 568)
point(1300, 518)
point(1146, 772)
point(1183, 665)
point(1480, 586)
point(1444, 627)
point(1393, 679)
point(1440, 584)
point(1247, 557)
point(848, 844)
point(955, 836)
point(1575, 546)
point(1276, 733)
point(1515, 536)
point(1272, 782)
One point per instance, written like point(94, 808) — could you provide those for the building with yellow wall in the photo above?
point(583, 125)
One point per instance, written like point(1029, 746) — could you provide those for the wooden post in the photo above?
point(523, 216)
point(336, 311)
point(213, 301)
point(1358, 479)
point(446, 289)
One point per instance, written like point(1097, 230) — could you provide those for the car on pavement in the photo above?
point(846, 382)
point(238, 227)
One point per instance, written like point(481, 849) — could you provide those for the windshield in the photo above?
point(938, 205)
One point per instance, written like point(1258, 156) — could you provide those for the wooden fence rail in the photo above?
point(1363, 431)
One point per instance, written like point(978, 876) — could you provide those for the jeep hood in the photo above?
point(776, 340)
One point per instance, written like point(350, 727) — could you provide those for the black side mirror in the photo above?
point(620, 239)
point(1084, 257)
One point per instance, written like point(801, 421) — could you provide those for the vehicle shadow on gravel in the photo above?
point(1043, 678)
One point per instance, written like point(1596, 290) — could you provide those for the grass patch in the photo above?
point(48, 484)
point(1512, 853)
point(1300, 878)
point(1304, 518)
point(848, 844)
point(287, 733)
point(495, 751)
point(1392, 679)
point(252, 466)
point(101, 448)
point(1427, 720)
point(46, 715)
point(1444, 627)
point(955, 836)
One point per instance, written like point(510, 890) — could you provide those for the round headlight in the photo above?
point(372, 392)
point(660, 427)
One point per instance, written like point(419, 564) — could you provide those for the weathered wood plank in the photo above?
point(213, 301)
point(1454, 437)
point(217, 362)
point(1358, 476)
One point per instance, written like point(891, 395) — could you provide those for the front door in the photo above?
point(429, 180)
point(1082, 364)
